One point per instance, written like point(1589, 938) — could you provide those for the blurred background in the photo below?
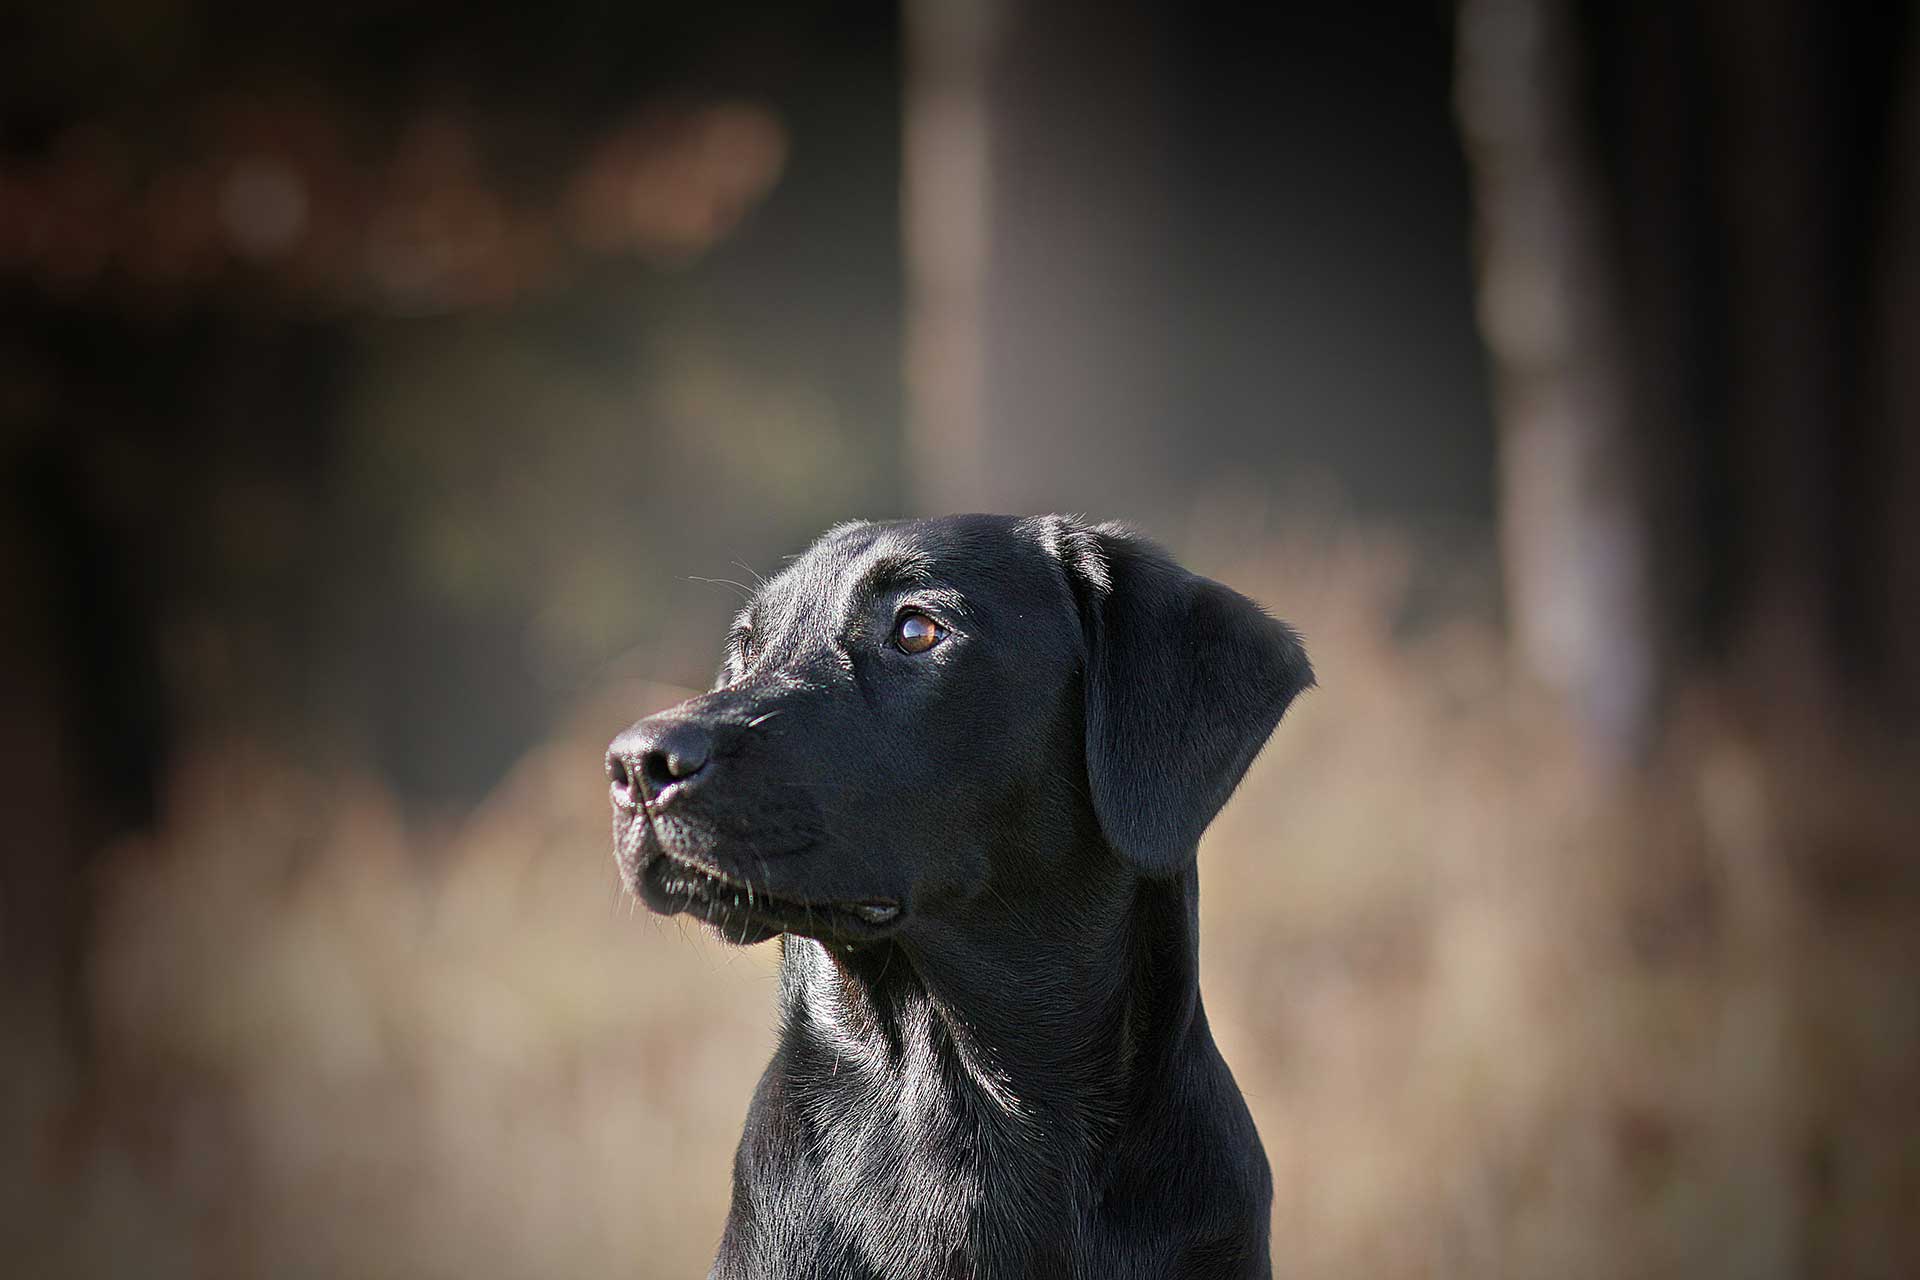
point(392, 395)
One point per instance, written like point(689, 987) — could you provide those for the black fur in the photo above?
point(993, 1060)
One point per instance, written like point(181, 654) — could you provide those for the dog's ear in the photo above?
point(1184, 681)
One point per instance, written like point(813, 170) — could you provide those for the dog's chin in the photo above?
point(745, 914)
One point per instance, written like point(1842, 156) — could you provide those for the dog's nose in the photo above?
point(656, 755)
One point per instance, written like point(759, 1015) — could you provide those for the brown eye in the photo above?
point(917, 633)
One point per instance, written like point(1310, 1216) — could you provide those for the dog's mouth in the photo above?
point(744, 913)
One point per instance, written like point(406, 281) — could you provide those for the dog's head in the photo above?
point(924, 718)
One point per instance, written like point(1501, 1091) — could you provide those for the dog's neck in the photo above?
point(1048, 1040)
point(931, 1100)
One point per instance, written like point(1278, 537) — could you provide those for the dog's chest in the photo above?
point(883, 1184)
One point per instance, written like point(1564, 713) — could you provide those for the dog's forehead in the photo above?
point(967, 554)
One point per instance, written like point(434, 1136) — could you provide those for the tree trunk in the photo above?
point(1694, 304)
point(1574, 517)
point(1036, 233)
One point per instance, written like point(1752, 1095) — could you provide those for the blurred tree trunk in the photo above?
point(1898, 398)
point(1692, 293)
point(1037, 229)
point(78, 743)
point(944, 234)
point(40, 876)
point(1570, 459)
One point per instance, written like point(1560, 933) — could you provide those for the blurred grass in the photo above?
point(1498, 1013)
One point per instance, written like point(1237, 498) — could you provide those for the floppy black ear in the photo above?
point(1184, 680)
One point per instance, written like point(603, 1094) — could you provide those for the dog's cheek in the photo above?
point(953, 871)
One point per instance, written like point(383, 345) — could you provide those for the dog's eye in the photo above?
point(915, 632)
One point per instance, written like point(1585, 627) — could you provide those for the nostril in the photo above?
point(666, 767)
point(622, 778)
point(677, 754)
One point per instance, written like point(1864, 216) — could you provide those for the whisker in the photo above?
point(746, 592)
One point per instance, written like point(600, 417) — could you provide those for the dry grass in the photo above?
point(1497, 1015)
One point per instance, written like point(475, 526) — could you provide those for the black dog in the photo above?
point(963, 764)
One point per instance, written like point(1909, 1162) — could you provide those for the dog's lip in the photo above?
point(708, 887)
